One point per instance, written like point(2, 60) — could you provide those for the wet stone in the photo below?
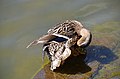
point(74, 68)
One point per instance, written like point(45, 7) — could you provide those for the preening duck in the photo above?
point(59, 39)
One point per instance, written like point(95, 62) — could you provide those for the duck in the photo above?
point(60, 38)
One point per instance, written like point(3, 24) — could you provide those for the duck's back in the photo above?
point(67, 28)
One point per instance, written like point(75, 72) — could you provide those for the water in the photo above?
point(22, 21)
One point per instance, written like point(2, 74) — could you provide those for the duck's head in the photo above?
point(85, 39)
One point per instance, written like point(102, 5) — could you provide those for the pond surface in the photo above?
point(22, 21)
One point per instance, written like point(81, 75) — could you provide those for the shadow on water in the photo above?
point(101, 54)
point(82, 64)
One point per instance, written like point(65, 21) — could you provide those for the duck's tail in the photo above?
point(41, 40)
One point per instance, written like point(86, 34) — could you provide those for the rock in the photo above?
point(73, 68)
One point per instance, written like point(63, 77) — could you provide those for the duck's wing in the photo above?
point(48, 37)
point(42, 39)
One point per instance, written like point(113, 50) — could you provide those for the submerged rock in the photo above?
point(73, 68)
point(77, 71)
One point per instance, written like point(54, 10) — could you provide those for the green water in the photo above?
point(22, 21)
